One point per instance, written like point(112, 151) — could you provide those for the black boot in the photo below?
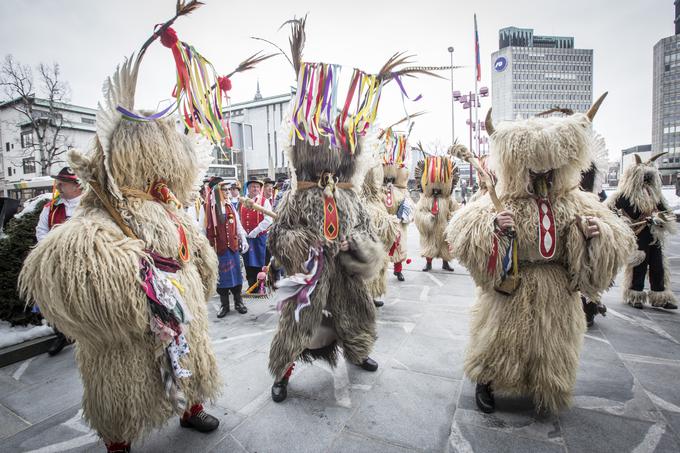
point(369, 364)
point(238, 300)
point(224, 300)
point(59, 343)
point(446, 267)
point(590, 309)
point(399, 276)
point(484, 398)
point(280, 388)
point(202, 422)
point(428, 266)
point(378, 303)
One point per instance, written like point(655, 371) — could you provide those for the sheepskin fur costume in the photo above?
point(638, 198)
point(436, 207)
point(341, 311)
point(96, 297)
point(528, 342)
point(395, 182)
point(386, 226)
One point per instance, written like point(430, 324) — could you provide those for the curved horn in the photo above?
point(638, 161)
point(488, 123)
point(655, 157)
point(594, 108)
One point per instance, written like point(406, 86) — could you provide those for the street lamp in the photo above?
point(470, 101)
point(453, 124)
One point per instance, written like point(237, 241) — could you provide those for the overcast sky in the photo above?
point(88, 38)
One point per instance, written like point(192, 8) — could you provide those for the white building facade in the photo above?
point(20, 172)
point(531, 74)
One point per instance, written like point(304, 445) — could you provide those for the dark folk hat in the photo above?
point(66, 174)
point(253, 179)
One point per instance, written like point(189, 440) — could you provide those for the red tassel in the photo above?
point(491, 265)
point(408, 260)
point(169, 37)
point(224, 83)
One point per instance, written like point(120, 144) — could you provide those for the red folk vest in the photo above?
point(252, 218)
point(223, 236)
point(57, 214)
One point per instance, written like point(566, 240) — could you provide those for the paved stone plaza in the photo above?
point(627, 397)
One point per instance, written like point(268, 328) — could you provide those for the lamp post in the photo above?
point(453, 124)
point(469, 102)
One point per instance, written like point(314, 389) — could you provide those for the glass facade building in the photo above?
point(532, 74)
point(666, 106)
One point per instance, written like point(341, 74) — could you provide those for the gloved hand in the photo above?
point(244, 245)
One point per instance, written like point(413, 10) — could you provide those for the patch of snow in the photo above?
point(30, 205)
point(18, 334)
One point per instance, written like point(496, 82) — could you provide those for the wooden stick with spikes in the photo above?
point(250, 204)
point(461, 152)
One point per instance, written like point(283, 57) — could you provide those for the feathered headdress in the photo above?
point(199, 91)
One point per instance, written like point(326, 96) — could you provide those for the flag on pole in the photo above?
point(478, 66)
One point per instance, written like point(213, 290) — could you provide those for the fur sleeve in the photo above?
point(95, 298)
point(289, 239)
point(594, 263)
point(366, 254)
point(471, 235)
point(423, 216)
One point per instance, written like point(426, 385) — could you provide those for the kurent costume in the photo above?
point(395, 151)
point(386, 226)
point(438, 176)
point(222, 225)
point(639, 199)
point(322, 235)
point(135, 273)
point(256, 225)
point(527, 322)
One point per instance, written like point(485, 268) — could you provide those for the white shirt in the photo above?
point(43, 228)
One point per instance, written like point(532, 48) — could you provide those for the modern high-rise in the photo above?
point(666, 102)
point(532, 74)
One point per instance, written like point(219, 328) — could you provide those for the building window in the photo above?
point(7, 146)
point(9, 171)
point(29, 165)
point(87, 120)
point(26, 139)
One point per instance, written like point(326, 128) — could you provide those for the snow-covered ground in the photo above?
point(15, 335)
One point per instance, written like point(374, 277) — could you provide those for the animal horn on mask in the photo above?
point(655, 157)
point(638, 161)
point(488, 124)
point(595, 107)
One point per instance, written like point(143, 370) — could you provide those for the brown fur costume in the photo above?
point(639, 197)
point(96, 296)
point(432, 222)
point(385, 225)
point(529, 342)
point(341, 300)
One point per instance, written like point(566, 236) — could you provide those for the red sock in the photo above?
point(115, 446)
point(397, 267)
point(193, 410)
point(429, 260)
point(289, 371)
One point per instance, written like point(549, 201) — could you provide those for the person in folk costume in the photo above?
point(395, 193)
point(640, 201)
point(268, 191)
point(438, 176)
point(256, 225)
point(66, 198)
point(385, 225)
point(222, 225)
point(135, 273)
point(531, 254)
point(322, 236)
point(234, 195)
